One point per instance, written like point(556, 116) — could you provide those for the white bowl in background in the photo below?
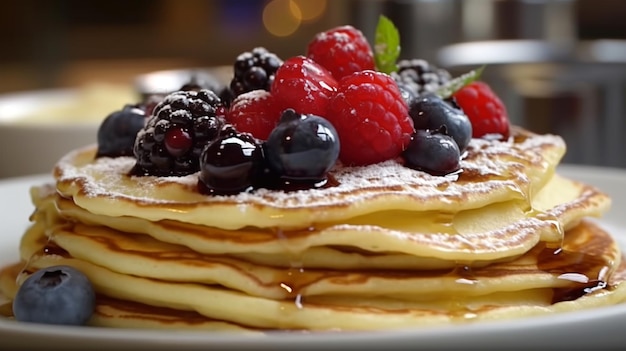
point(38, 127)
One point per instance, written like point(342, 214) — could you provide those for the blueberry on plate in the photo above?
point(55, 295)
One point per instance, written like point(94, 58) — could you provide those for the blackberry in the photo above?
point(180, 127)
point(254, 70)
point(419, 76)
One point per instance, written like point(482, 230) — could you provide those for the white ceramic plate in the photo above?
point(601, 328)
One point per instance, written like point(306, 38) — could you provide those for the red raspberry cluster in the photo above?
point(337, 79)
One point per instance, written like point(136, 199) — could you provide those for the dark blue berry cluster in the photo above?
point(443, 132)
point(299, 152)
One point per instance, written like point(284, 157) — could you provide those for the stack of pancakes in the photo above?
point(381, 246)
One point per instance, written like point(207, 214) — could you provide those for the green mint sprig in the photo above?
point(386, 45)
point(452, 86)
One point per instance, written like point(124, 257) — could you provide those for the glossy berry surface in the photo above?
point(303, 85)
point(371, 118)
point(433, 152)
point(254, 70)
point(431, 112)
point(254, 112)
point(302, 147)
point(177, 141)
point(485, 110)
point(55, 295)
point(342, 50)
point(230, 164)
point(117, 132)
point(178, 130)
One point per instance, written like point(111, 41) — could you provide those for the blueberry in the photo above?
point(116, 134)
point(55, 295)
point(302, 147)
point(430, 112)
point(231, 163)
point(433, 152)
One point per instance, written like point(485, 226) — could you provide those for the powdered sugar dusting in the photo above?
point(491, 167)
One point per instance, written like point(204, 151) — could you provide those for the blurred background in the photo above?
point(559, 65)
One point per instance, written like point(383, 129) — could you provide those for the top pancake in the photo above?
point(492, 172)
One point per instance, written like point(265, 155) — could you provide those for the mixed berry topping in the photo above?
point(254, 70)
point(178, 130)
point(116, 134)
point(55, 295)
point(371, 118)
point(485, 110)
point(290, 122)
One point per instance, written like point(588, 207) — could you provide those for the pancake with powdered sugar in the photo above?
point(492, 171)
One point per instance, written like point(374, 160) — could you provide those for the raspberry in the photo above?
point(371, 118)
point(484, 109)
point(303, 85)
point(342, 50)
point(254, 112)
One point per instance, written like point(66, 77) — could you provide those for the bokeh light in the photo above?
point(310, 9)
point(283, 17)
point(278, 17)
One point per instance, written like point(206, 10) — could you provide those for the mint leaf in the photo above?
point(452, 86)
point(386, 45)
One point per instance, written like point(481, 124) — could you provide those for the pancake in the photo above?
point(504, 230)
point(588, 264)
point(492, 172)
point(140, 255)
point(383, 246)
